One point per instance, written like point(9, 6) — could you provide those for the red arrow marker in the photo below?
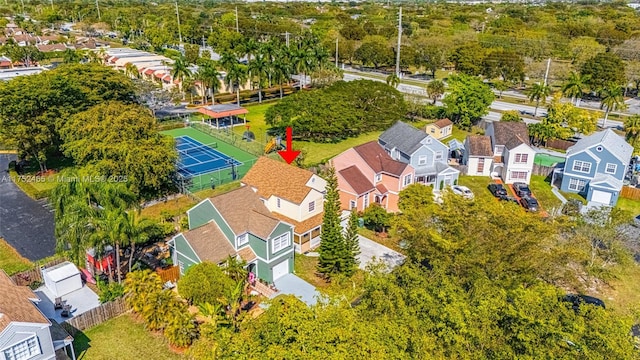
point(289, 155)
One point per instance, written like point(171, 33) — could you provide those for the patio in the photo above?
point(292, 285)
point(81, 301)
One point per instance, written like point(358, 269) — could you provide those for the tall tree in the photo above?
point(538, 92)
point(435, 89)
point(352, 245)
point(180, 70)
point(393, 80)
point(575, 86)
point(131, 71)
point(209, 76)
point(468, 100)
point(632, 130)
point(332, 245)
point(259, 69)
point(236, 76)
point(611, 97)
point(604, 69)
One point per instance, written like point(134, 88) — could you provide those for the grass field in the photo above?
point(222, 176)
point(305, 268)
point(632, 206)
point(121, 338)
point(542, 191)
point(10, 261)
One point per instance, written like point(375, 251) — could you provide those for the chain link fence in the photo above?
point(227, 135)
point(216, 177)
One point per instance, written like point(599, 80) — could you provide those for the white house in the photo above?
point(512, 154)
point(478, 155)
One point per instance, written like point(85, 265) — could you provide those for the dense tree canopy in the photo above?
point(342, 110)
point(468, 100)
point(604, 69)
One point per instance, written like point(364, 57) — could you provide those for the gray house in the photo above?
point(25, 333)
point(595, 167)
point(427, 155)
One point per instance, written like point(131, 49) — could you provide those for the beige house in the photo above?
point(293, 195)
point(478, 155)
point(440, 129)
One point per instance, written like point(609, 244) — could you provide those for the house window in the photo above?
point(519, 175)
point(278, 202)
point(428, 141)
point(378, 177)
point(407, 180)
point(499, 149)
point(577, 184)
point(438, 156)
point(366, 200)
point(377, 199)
point(611, 168)
point(352, 204)
point(312, 206)
point(581, 166)
point(242, 239)
point(422, 160)
point(521, 158)
point(281, 242)
point(431, 179)
point(24, 350)
point(433, 131)
point(181, 266)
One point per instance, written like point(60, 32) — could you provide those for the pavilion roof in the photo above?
point(222, 110)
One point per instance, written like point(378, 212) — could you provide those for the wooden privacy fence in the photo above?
point(28, 277)
point(169, 274)
point(542, 170)
point(629, 192)
point(95, 316)
point(560, 144)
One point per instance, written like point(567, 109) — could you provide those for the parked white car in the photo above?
point(462, 191)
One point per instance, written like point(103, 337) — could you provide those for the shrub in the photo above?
point(376, 218)
point(109, 291)
point(205, 282)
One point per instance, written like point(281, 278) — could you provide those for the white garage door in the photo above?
point(601, 197)
point(281, 269)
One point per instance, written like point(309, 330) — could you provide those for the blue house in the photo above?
point(426, 154)
point(595, 167)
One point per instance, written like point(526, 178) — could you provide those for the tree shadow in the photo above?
point(81, 343)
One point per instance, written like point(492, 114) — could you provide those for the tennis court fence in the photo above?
point(218, 177)
point(230, 137)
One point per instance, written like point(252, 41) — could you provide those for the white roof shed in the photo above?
point(62, 279)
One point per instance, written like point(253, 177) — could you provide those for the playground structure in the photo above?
point(274, 144)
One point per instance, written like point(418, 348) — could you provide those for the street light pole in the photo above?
point(178, 17)
point(399, 41)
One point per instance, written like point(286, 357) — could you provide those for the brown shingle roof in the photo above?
point(510, 133)
point(51, 47)
point(382, 189)
point(209, 243)
point(443, 123)
point(479, 145)
point(243, 210)
point(247, 254)
point(356, 179)
point(16, 304)
point(271, 177)
point(301, 227)
point(378, 159)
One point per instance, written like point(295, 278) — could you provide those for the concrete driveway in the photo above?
point(370, 249)
point(24, 223)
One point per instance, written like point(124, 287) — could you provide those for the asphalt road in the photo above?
point(24, 223)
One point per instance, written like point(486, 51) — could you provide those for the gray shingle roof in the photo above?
point(611, 141)
point(510, 134)
point(479, 145)
point(404, 137)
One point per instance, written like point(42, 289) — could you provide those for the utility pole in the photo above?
point(337, 50)
point(286, 36)
point(178, 17)
point(237, 26)
point(399, 41)
point(98, 8)
point(546, 74)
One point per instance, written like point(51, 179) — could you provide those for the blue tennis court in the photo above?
point(196, 158)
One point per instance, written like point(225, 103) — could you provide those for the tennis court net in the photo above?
point(200, 148)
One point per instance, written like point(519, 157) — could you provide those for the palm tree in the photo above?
point(259, 67)
point(575, 86)
point(393, 80)
point(131, 71)
point(180, 70)
point(236, 76)
point(610, 98)
point(209, 76)
point(303, 60)
point(232, 299)
point(538, 92)
point(435, 89)
point(281, 69)
point(632, 129)
point(137, 230)
point(71, 56)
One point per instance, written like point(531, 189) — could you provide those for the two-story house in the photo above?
point(367, 174)
point(293, 195)
point(426, 154)
point(236, 224)
point(595, 167)
point(25, 333)
point(478, 155)
point(512, 152)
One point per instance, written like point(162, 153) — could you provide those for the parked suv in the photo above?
point(521, 189)
point(498, 190)
point(529, 203)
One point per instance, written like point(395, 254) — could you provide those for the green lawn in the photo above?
point(121, 338)
point(255, 119)
point(458, 134)
point(477, 184)
point(542, 191)
point(320, 152)
point(632, 206)
point(10, 261)
point(305, 268)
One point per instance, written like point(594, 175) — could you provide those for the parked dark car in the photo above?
point(521, 189)
point(497, 190)
point(578, 300)
point(529, 203)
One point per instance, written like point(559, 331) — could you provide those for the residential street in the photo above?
point(24, 223)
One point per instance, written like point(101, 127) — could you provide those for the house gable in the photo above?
point(605, 157)
point(200, 214)
point(583, 157)
point(280, 230)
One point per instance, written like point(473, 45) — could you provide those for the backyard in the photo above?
point(10, 261)
point(121, 338)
